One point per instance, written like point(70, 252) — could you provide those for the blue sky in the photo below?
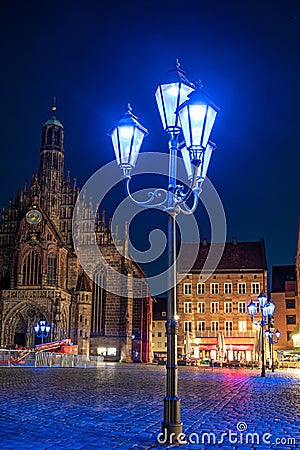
point(95, 57)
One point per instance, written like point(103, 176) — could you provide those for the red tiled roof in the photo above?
point(237, 256)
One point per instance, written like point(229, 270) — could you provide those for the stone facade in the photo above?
point(41, 277)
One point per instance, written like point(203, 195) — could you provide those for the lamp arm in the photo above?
point(184, 207)
point(153, 195)
point(183, 198)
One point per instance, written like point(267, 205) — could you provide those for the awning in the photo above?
point(237, 347)
point(207, 347)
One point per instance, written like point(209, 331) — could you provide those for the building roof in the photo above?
point(159, 305)
point(53, 121)
point(237, 256)
point(281, 274)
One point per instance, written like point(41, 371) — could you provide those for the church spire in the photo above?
point(51, 168)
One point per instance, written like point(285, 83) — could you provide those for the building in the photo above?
point(159, 338)
point(284, 296)
point(41, 277)
point(213, 318)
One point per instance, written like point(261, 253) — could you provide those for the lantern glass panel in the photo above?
point(251, 308)
point(210, 120)
point(168, 97)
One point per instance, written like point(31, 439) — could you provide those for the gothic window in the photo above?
point(98, 304)
point(32, 269)
point(51, 272)
point(49, 136)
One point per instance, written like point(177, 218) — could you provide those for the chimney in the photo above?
point(234, 241)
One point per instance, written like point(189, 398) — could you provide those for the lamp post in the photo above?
point(185, 111)
point(270, 335)
point(42, 329)
point(267, 309)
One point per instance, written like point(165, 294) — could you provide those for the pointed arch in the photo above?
point(31, 269)
point(52, 269)
point(98, 303)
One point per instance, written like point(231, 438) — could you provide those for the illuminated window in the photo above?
point(242, 324)
point(111, 351)
point(241, 288)
point(101, 351)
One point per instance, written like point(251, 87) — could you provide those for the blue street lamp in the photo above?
point(42, 329)
point(270, 335)
point(267, 309)
point(193, 115)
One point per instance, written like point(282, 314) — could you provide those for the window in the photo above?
point(227, 288)
point(289, 335)
point(290, 303)
point(159, 334)
point(214, 288)
point(187, 307)
point(200, 288)
point(51, 274)
point(214, 326)
point(241, 288)
point(255, 288)
point(214, 307)
point(228, 325)
point(187, 326)
point(291, 320)
point(158, 344)
point(32, 269)
point(164, 314)
point(187, 288)
point(228, 307)
point(200, 325)
point(242, 326)
point(242, 307)
point(201, 308)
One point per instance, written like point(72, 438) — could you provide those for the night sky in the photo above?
point(96, 56)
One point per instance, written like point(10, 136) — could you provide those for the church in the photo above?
point(41, 277)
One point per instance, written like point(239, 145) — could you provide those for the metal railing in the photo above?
point(30, 358)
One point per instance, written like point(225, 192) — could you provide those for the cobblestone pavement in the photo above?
point(121, 406)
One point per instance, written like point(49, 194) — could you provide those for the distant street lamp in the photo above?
point(42, 329)
point(270, 335)
point(267, 309)
point(185, 111)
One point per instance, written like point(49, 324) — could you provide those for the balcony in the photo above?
point(234, 334)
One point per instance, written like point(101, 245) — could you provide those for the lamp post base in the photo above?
point(171, 426)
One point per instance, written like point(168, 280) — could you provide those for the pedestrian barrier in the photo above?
point(32, 358)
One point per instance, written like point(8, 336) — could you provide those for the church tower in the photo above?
point(51, 169)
